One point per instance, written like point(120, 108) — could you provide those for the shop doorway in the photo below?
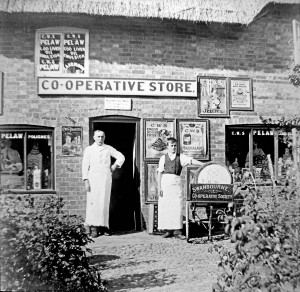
point(122, 133)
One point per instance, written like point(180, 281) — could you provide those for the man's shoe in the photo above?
point(167, 235)
point(107, 232)
point(180, 236)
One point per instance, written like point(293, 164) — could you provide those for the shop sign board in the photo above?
point(116, 87)
point(214, 184)
point(211, 193)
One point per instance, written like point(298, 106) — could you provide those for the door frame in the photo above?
point(125, 120)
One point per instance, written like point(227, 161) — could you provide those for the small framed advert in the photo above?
point(193, 138)
point(151, 195)
point(213, 98)
point(191, 176)
point(71, 141)
point(156, 133)
point(240, 94)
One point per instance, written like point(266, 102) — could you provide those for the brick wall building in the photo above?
point(133, 49)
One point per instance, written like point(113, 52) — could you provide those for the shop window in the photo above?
point(258, 153)
point(62, 52)
point(26, 158)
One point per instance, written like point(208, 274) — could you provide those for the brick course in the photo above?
point(148, 48)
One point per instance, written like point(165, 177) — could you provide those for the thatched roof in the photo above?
point(224, 11)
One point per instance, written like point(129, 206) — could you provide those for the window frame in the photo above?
point(61, 31)
point(251, 128)
point(26, 129)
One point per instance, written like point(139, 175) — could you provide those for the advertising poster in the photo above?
point(50, 52)
point(213, 97)
point(156, 133)
point(151, 183)
point(71, 141)
point(240, 94)
point(193, 138)
point(74, 52)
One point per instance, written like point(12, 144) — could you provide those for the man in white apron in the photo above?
point(97, 176)
point(169, 189)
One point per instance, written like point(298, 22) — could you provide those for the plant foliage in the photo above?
point(44, 249)
point(266, 253)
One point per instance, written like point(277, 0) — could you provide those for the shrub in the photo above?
point(266, 251)
point(44, 249)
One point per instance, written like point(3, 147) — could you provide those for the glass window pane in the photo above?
point(263, 145)
point(74, 53)
point(247, 165)
point(49, 52)
point(285, 159)
point(12, 160)
point(39, 154)
point(237, 147)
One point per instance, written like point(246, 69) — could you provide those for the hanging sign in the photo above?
point(116, 87)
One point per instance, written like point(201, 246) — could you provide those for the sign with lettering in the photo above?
point(62, 51)
point(71, 141)
point(193, 138)
point(213, 97)
point(116, 87)
point(74, 52)
point(156, 134)
point(50, 46)
point(117, 103)
point(211, 193)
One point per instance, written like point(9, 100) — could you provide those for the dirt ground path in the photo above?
point(143, 262)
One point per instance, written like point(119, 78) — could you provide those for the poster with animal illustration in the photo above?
point(212, 96)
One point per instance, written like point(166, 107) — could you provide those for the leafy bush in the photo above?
point(44, 249)
point(266, 252)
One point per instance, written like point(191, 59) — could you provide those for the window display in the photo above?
point(249, 149)
point(26, 157)
point(62, 51)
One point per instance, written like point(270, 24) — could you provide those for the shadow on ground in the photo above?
point(104, 261)
point(96, 259)
point(155, 278)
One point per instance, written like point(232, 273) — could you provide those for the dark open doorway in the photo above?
point(122, 134)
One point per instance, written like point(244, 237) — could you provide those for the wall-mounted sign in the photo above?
point(117, 103)
point(71, 141)
point(240, 91)
point(213, 97)
point(62, 51)
point(193, 138)
point(116, 87)
point(156, 133)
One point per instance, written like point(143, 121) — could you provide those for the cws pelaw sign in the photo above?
point(211, 193)
point(116, 87)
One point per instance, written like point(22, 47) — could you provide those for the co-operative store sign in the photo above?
point(116, 87)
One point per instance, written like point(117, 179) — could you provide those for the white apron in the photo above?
point(170, 204)
point(98, 199)
point(96, 168)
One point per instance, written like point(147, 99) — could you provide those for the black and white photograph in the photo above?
point(149, 145)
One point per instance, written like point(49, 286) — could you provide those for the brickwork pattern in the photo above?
point(148, 48)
